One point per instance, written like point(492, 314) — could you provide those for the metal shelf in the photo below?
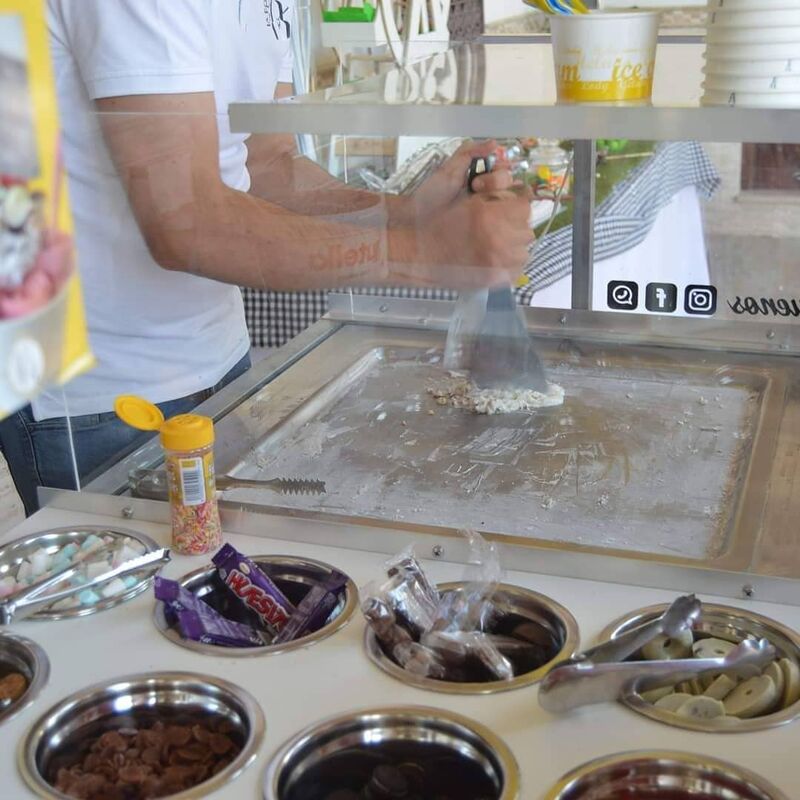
point(509, 90)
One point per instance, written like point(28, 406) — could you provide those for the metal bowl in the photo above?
point(294, 577)
point(18, 654)
point(454, 756)
point(662, 774)
point(14, 553)
point(133, 700)
point(722, 622)
point(513, 604)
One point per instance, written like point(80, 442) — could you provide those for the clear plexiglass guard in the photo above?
point(662, 293)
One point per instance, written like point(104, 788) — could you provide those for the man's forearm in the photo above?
point(294, 182)
point(244, 240)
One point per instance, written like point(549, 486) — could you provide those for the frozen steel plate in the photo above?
point(649, 453)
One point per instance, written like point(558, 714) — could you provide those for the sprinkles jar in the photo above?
point(188, 442)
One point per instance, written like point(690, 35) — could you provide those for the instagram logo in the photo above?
point(700, 300)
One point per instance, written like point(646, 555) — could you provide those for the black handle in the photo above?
point(479, 166)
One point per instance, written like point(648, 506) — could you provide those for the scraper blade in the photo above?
point(504, 356)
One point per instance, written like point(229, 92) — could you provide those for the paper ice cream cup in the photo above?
point(754, 69)
point(752, 5)
point(605, 57)
point(764, 18)
point(752, 52)
point(729, 83)
point(712, 97)
point(752, 36)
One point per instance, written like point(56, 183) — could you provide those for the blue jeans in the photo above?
point(39, 453)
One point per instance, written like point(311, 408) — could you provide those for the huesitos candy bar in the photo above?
point(314, 610)
point(201, 623)
point(253, 588)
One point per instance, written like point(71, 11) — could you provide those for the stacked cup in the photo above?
point(753, 53)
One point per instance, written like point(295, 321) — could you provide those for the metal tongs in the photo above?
point(34, 597)
point(601, 674)
point(151, 484)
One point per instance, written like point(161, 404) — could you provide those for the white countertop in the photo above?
point(298, 688)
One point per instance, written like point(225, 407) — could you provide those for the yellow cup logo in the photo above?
point(598, 79)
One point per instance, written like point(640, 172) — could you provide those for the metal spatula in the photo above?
point(504, 355)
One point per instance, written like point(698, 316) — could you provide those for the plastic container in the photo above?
point(549, 166)
point(605, 57)
point(766, 85)
point(753, 69)
point(188, 442)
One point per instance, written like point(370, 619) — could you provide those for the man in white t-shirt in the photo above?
point(173, 212)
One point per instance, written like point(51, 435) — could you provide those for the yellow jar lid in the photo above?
point(184, 432)
point(187, 432)
point(139, 413)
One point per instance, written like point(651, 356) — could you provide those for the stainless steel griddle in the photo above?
point(638, 458)
point(650, 454)
point(676, 453)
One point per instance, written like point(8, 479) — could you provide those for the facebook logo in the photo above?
point(661, 297)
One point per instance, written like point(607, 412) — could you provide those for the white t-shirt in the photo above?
point(158, 334)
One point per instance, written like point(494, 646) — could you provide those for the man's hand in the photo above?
point(479, 240)
point(449, 183)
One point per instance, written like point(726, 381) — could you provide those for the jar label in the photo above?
point(193, 481)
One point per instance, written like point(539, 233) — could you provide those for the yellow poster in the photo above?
point(43, 339)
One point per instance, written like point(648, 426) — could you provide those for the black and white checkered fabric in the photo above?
point(275, 317)
point(622, 221)
point(626, 216)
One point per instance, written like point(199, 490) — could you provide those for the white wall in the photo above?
point(495, 10)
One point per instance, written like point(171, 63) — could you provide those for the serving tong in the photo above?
point(601, 674)
point(34, 597)
point(151, 484)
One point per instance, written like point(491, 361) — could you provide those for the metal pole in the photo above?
point(584, 168)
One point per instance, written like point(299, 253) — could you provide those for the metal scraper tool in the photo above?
point(504, 355)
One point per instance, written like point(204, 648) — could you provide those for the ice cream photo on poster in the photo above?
point(18, 155)
point(35, 259)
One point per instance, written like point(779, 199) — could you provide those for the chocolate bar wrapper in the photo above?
point(407, 565)
point(253, 588)
point(201, 623)
point(314, 609)
point(381, 619)
point(509, 646)
point(410, 603)
point(450, 648)
point(419, 660)
point(454, 647)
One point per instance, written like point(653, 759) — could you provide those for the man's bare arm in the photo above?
point(279, 174)
point(166, 150)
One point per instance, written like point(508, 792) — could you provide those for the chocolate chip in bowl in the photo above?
point(24, 671)
point(176, 735)
point(401, 753)
point(719, 703)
